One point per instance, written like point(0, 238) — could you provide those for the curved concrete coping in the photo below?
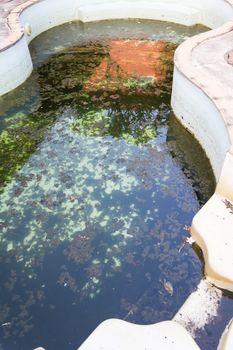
point(212, 104)
point(226, 341)
point(203, 73)
point(201, 96)
point(115, 334)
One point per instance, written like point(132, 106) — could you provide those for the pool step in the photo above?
point(200, 309)
point(141, 9)
point(115, 334)
point(212, 231)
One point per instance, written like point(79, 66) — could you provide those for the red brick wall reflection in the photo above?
point(131, 59)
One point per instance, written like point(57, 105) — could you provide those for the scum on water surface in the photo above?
point(97, 181)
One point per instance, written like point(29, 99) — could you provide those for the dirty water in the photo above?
point(99, 184)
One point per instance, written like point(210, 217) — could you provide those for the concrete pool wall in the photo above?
point(202, 95)
point(30, 18)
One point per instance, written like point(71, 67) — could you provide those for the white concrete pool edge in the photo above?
point(201, 96)
point(33, 17)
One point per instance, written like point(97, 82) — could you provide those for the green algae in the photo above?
point(132, 113)
point(100, 123)
point(19, 141)
point(65, 79)
point(24, 132)
point(98, 204)
point(186, 150)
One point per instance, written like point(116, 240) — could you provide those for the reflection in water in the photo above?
point(94, 200)
point(130, 60)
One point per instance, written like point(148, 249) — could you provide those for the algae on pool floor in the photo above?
point(94, 198)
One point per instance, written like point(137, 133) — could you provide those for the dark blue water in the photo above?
point(98, 181)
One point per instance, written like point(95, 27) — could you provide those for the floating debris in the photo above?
point(188, 240)
point(168, 287)
point(92, 199)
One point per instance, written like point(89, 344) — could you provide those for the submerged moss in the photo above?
point(58, 78)
point(188, 154)
point(90, 216)
point(122, 102)
point(108, 99)
point(100, 123)
point(19, 141)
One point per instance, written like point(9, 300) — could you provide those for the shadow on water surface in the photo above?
point(98, 182)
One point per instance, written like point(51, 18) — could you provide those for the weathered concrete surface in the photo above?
point(120, 335)
point(202, 100)
point(9, 32)
point(200, 309)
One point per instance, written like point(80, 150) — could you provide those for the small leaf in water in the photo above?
point(168, 287)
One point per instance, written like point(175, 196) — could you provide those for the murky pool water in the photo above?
point(98, 183)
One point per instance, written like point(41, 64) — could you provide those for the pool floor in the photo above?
point(99, 185)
